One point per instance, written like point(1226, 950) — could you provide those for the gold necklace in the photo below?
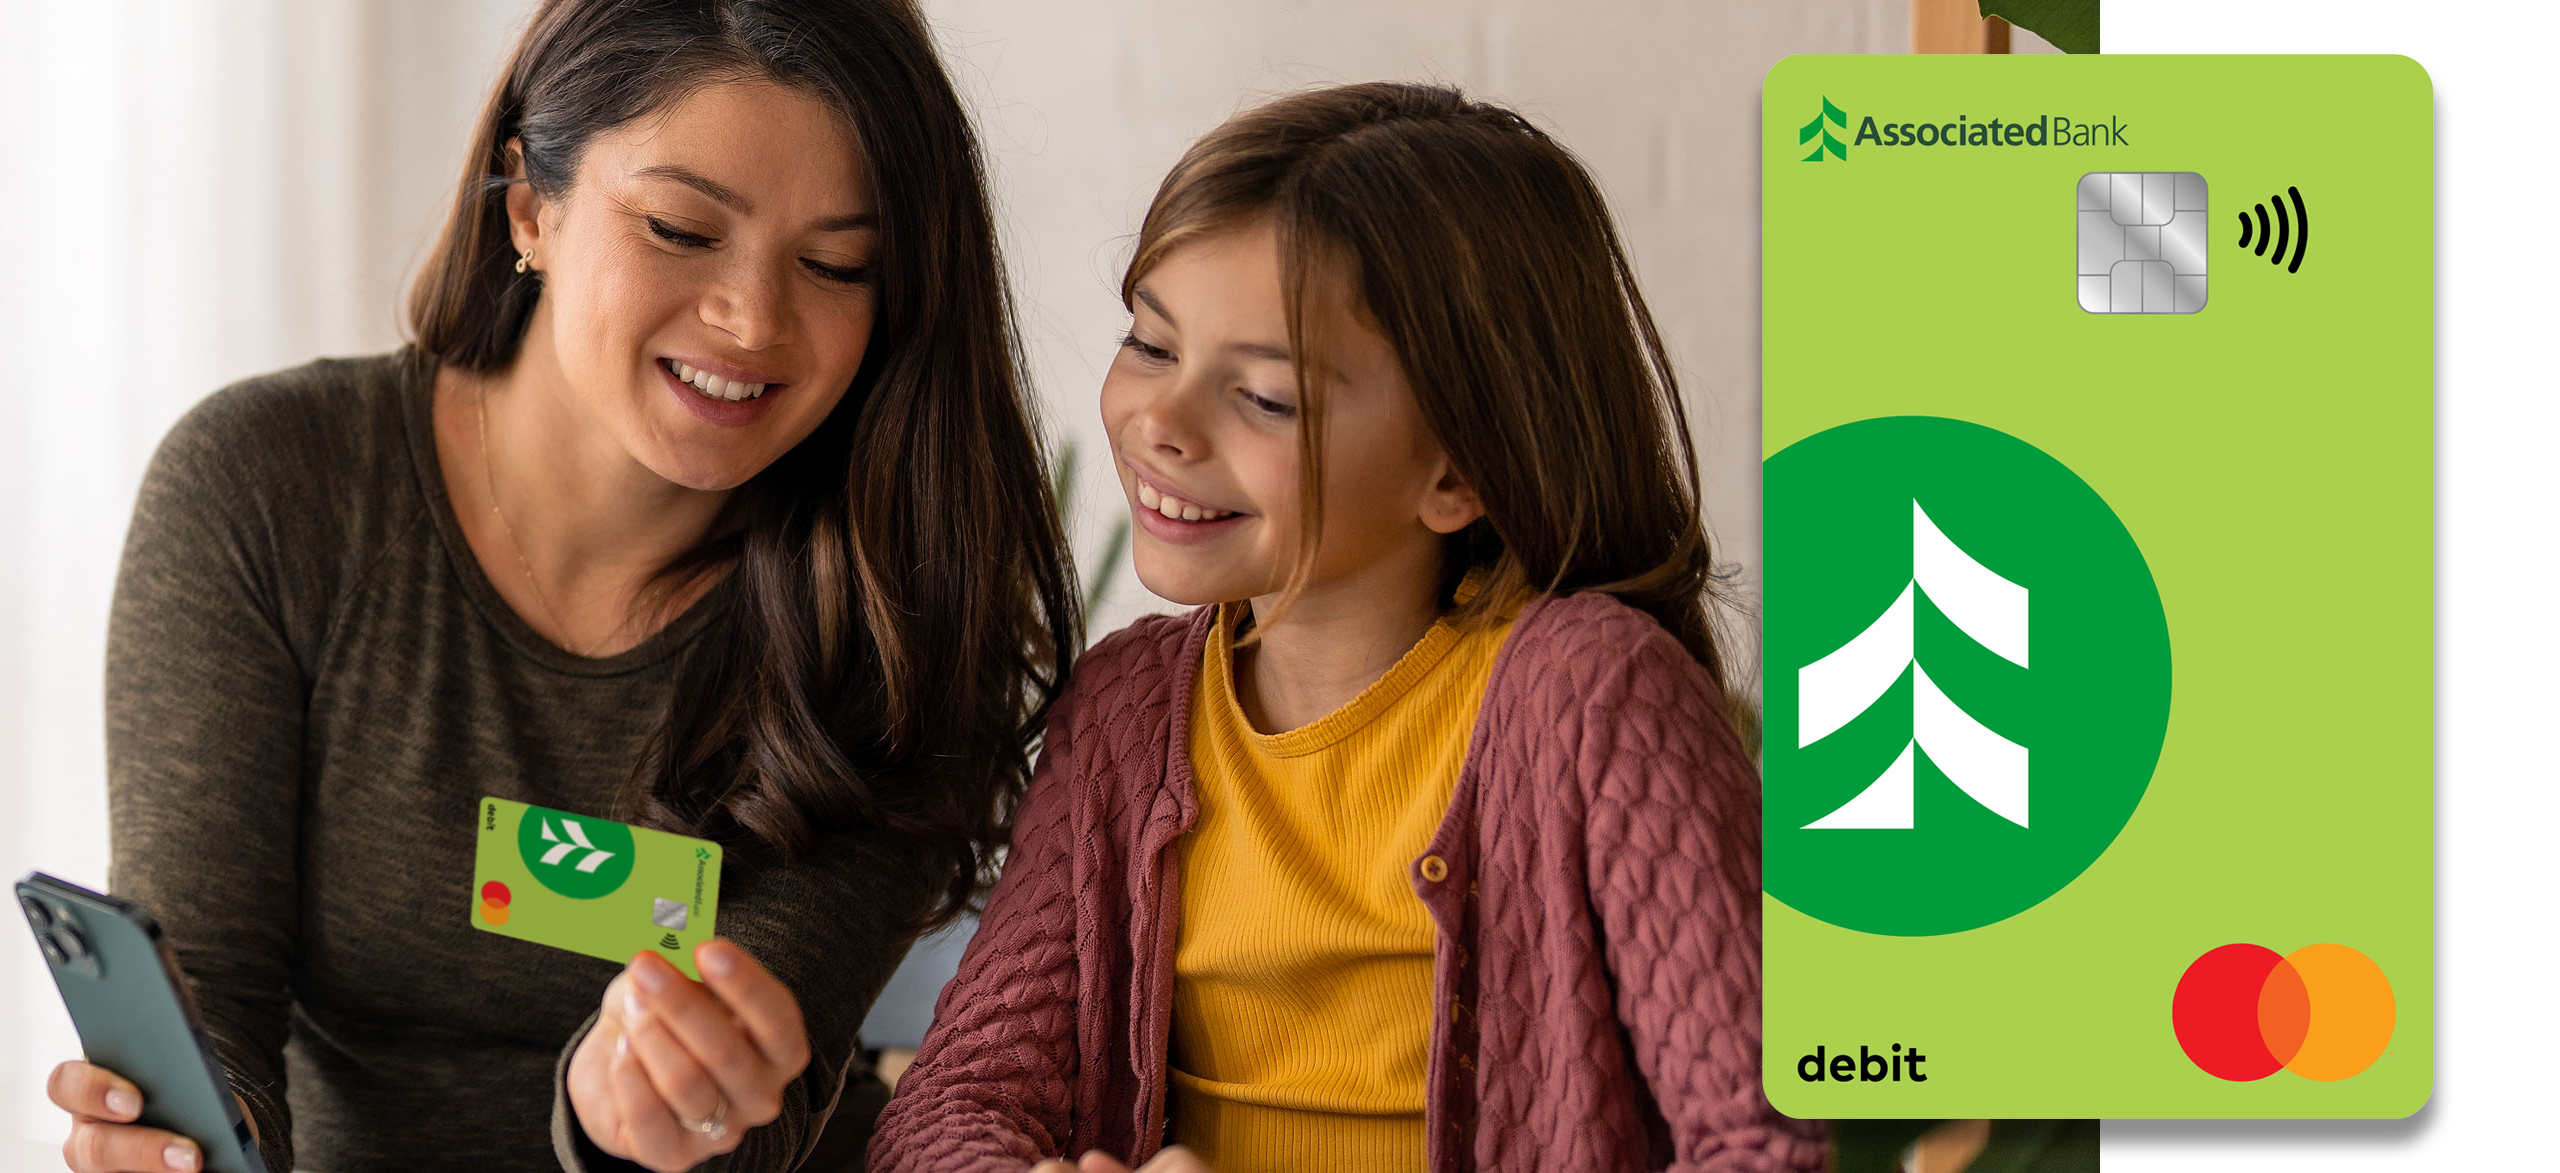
point(489, 478)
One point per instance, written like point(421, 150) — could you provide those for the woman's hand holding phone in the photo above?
point(674, 1073)
point(104, 1138)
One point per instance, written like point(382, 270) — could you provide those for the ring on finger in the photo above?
point(715, 1125)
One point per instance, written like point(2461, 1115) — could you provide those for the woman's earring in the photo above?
point(525, 261)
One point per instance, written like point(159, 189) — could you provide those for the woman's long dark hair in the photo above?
point(901, 607)
point(1484, 254)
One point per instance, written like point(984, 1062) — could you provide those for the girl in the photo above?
point(1431, 839)
point(708, 465)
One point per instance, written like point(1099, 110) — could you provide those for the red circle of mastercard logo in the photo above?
point(493, 902)
point(2243, 1012)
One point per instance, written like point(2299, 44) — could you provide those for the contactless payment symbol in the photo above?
point(1976, 675)
point(2295, 228)
point(579, 858)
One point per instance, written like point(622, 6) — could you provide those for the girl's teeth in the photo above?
point(1176, 508)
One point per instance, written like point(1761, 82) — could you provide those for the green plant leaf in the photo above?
point(2039, 1146)
point(2072, 25)
point(1062, 468)
point(2014, 1146)
point(1874, 1146)
point(1062, 489)
point(1107, 570)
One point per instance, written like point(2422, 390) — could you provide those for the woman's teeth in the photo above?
point(1177, 508)
point(713, 385)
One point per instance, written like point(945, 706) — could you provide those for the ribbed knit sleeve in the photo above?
point(1671, 829)
point(991, 1088)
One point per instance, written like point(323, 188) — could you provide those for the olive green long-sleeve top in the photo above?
point(310, 682)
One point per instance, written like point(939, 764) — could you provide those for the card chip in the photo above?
point(669, 914)
point(2142, 242)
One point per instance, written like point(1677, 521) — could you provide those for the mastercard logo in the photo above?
point(2244, 1012)
point(494, 899)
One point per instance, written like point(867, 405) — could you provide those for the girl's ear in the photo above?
point(1450, 504)
point(524, 208)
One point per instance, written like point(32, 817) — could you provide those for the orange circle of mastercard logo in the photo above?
point(494, 898)
point(2242, 1012)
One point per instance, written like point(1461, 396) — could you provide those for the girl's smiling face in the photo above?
point(706, 298)
point(1201, 405)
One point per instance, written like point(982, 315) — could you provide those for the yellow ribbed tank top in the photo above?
point(1302, 971)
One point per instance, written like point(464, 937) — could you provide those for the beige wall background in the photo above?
point(201, 191)
point(1083, 107)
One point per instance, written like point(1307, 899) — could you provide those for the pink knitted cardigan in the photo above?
point(1596, 887)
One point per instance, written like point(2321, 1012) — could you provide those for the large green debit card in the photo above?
point(2098, 427)
point(591, 885)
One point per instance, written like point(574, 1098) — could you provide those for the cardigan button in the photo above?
point(1434, 868)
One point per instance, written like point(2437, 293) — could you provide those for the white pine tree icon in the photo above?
point(1834, 690)
point(578, 836)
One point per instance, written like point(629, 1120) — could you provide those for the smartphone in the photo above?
point(135, 1018)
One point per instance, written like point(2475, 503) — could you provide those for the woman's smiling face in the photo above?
point(1201, 407)
point(707, 294)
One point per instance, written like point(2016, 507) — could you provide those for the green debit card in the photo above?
point(2098, 628)
point(591, 885)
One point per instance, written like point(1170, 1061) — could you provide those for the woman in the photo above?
point(706, 499)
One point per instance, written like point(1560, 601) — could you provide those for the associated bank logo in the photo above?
point(1834, 690)
point(579, 858)
point(1835, 117)
point(1930, 775)
point(1964, 130)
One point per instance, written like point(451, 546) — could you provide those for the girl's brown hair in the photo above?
point(1484, 254)
point(900, 607)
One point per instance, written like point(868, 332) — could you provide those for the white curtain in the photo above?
point(190, 192)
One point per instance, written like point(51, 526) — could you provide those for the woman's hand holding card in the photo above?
point(675, 1072)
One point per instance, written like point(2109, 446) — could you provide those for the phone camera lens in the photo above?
point(74, 946)
point(52, 952)
point(36, 915)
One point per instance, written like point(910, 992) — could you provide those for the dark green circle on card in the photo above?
point(576, 856)
point(2089, 705)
